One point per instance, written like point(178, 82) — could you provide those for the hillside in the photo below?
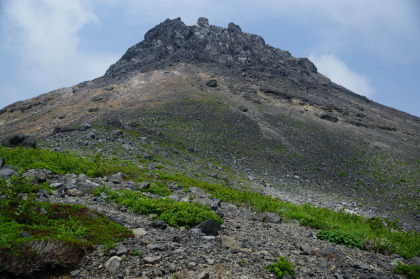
point(219, 105)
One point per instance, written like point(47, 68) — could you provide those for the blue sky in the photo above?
point(371, 47)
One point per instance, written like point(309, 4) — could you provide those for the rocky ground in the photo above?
point(240, 248)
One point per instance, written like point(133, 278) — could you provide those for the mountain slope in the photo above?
point(267, 114)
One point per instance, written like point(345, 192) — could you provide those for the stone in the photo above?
point(227, 242)
point(113, 263)
point(156, 247)
point(116, 178)
point(174, 197)
point(75, 273)
point(117, 133)
point(197, 191)
point(248, 214)
point(122, 250)
point(2, 162)
point(152, 259)
point(172, 268)
point(139, 232)
point(329, 253)
point(210, 261)
point(6, 173)
point(70, 184)
point(74, 192)
point(144, 139)
point(158, 224)
point(271, 218)
point(209, 227)
point(84, 127)
point(19, 140)
point(39, 176)
point(191, 265)
point(43, 211)
point(144, 185)
point(57, 185)
point(360, 265)
point(211, 83)
point(204, 275)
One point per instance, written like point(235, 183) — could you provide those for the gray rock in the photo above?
point(361, 265)
point(117, 133)
point(122, 250)
point(204, 275)
point(209, 227)
point(144, 185)
point(227, 242)
point(84, 127)
point(158, 224)
point(144, 139)
point(75, 273)
point(172, 268)
point(6, 173)
point(191, 265)
point(113, 263)
point(2, 162)
point(139, 232)
point(19, 140)
point(174, 197)
point(156, 247)
point(39, 176)
point(70, 184)
point(57, 185)
point(74, 192)
point(271, 218)
point(197, 192)
point(211, 83)
point(248, 214)
point(152, 259)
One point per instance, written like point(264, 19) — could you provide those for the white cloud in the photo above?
point(43, 37)
point(335, 69)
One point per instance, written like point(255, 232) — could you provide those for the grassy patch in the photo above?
point(173, 213)
point(282, 267)
point(62, 163)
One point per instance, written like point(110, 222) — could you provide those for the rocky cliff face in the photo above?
point(173, 41)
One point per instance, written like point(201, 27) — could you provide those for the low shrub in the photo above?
point(282, 267)
point(409, 271)
point(340, 237)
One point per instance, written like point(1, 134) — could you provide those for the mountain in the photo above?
point(225, 96)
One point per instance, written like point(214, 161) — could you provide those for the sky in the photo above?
point(370, 47)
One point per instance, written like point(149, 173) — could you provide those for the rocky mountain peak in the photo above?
point(173, 41)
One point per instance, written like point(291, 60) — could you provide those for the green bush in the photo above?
point(313, 223)
point(340, 237)
point(409, 271)
point(282, 267)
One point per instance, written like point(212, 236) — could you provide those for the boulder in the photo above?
point(212, 83)
point(209, 227)
point(6, 173)
point(2, 162)
point(19, 140)
point(271, 218)
point(227, 242)
point(113, 263)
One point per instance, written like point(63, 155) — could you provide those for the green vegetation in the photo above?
point(281, 268)
point(173, 213)
point(380, 235)
point(38, 235)
point(409, 271)
point(62, 163)
point(340, 237)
